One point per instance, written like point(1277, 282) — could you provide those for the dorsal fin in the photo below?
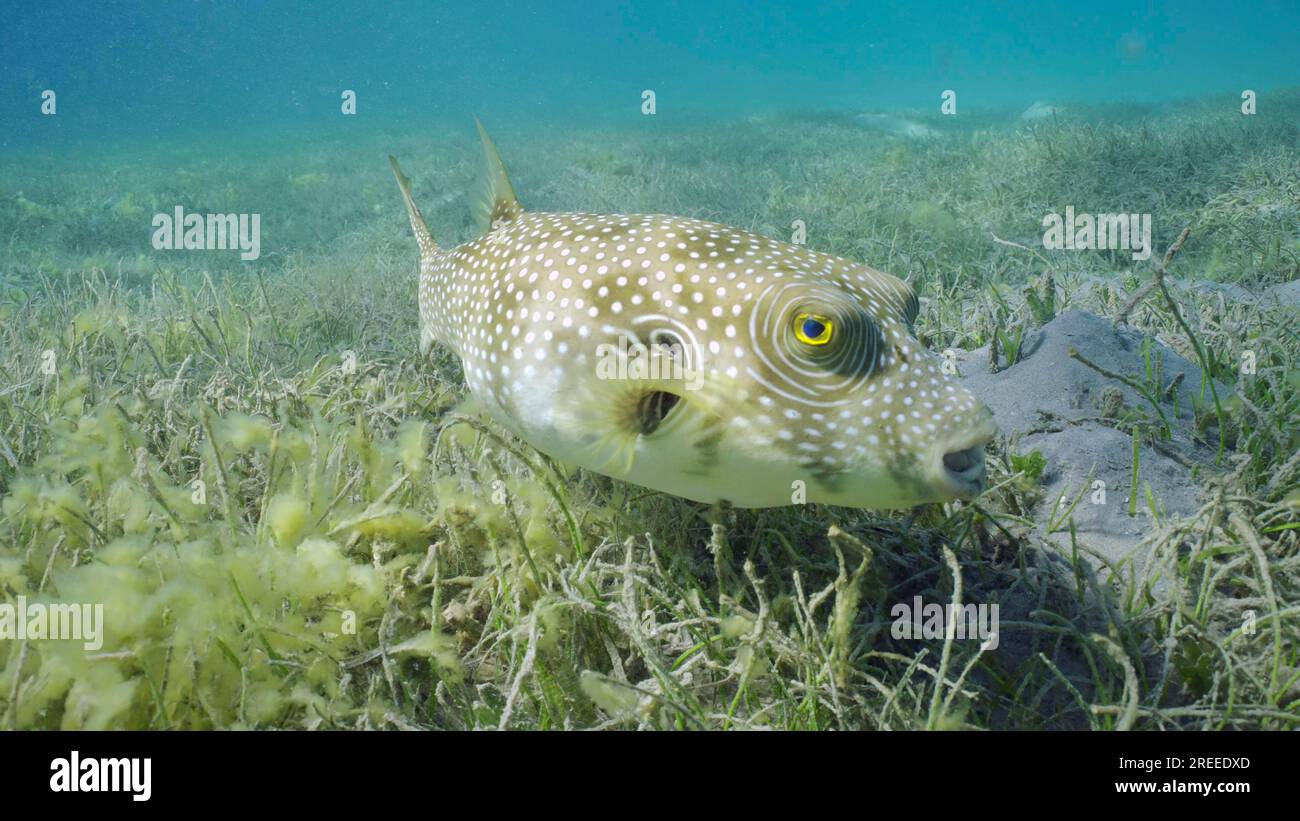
point(498, 202)
point(418, 226)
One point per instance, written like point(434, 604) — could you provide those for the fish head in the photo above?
point(829, 383)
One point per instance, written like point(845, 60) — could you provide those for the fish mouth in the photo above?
point(959, 463)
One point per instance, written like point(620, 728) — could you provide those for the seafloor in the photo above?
point(292, 519)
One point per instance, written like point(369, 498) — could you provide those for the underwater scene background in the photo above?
point(234, 493)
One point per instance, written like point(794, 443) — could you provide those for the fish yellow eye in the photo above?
point(813, 329)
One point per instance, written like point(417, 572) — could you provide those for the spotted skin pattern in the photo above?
point(542, 306)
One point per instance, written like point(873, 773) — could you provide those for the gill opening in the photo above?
point(653, 408)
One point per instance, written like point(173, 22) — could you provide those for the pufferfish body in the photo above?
point(698, 359)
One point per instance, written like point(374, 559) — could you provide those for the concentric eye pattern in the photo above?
point(821, 375)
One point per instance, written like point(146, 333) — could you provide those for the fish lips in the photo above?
point(957, 464)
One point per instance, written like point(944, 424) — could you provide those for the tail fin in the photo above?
point(498, 202)
point(422, 235)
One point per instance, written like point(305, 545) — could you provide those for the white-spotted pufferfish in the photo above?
point(698, 359)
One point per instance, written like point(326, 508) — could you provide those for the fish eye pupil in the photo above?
point(812, 329)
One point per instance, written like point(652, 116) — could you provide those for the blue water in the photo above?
point(141, 70)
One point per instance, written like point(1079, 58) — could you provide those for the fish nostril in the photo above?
point(962, 461)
